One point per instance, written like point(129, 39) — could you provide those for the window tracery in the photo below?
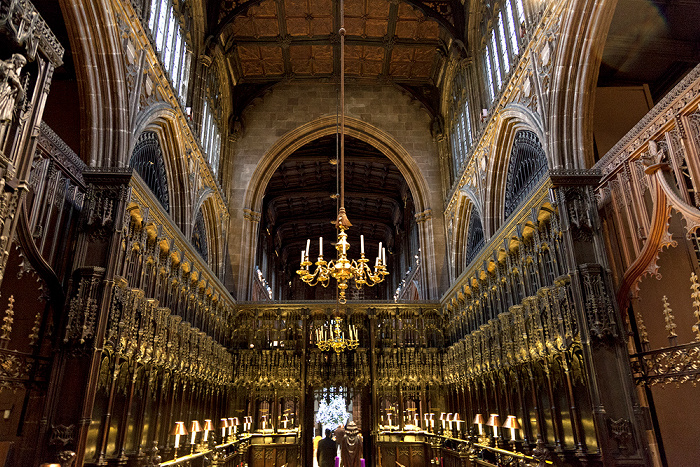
point(147, 160)
point(211, 116)
point(166, 25)
point(475, 235)
point(461, 135)
point(527, 166)
point(199, 236)
point(502, 27)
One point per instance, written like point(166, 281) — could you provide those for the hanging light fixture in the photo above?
point(342, 269)
point(337, 340)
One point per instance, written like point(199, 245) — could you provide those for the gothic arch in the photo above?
point(99, 64)
point(366, 132)
point(574, 73)
point(467, 207)
point(161, 119)
point(512, 120)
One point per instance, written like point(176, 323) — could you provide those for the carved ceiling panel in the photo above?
point(271, 39)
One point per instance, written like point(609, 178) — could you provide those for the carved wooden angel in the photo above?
point(11, 90)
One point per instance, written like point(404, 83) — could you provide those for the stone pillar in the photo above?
point(618, 418)
point(426, 239)
point(249, 234)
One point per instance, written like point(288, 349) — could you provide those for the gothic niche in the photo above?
point(475, 235)
point(199, 236)
point(147, 161)
point(527, 166)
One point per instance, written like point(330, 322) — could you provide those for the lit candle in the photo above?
point(308, 245)
point(384, 256)
point(362, 463)
point(379, 251)
point(177, 441)
point(302, 255)
point(224, 422)
point(362, 244)
point(320, 246)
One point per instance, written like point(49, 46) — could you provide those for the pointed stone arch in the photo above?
point(363, 131)
point(513, 119)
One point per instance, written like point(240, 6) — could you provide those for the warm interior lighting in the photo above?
point(512, 423)
point(337, 340)
point(479, 421)
point(223, 425)
point(195, 428)
point(178, 431)
point(342, 269)
point(208, 426)
point(494, 421)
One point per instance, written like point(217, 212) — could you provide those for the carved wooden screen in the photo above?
point(147, 160)
point(528, 163)
point(199, 236)
point(475, 235)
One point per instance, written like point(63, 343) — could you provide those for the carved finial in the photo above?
point(34, 335)
point(670, 321)
point(7, 322)
point(695, 295)
point(643, 334)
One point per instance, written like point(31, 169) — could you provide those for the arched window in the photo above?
point(501, 26)
point(527, 166)
point(210, 135)
point(147, 160)
point(199, 236)
point(460, 121)
point(170, 40)
point(475, 235)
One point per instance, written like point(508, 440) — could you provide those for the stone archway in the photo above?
point(309, 132)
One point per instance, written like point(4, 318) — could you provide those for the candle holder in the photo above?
point(195, 428)
point(178, 431)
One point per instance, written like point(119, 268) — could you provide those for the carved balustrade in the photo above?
point(649, 178)
point(158, 259)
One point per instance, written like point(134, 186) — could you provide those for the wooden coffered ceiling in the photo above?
point(392, 41)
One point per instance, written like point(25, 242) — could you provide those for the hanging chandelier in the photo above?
point(335, 339)
point(342, 269)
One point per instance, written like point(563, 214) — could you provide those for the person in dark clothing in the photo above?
point(327, 451)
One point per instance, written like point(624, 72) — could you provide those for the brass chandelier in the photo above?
point(342, 269)
point(337, 340)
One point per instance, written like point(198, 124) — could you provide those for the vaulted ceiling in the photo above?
point(403, 42)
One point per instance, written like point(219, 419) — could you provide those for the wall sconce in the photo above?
point(479, 421)
point(195, 428)
point(208, 426)
point(512, 423)
point(223, 425)
point(494, 421)
point(178, 431)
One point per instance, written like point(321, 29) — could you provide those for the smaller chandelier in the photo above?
point(336, 340)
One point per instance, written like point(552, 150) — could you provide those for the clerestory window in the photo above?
point(165, 24)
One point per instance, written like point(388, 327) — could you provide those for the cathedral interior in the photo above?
point(458, 233)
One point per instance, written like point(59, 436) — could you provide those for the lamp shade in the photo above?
point(493, 420)
point(179, 429)
point(479, 419)
point(195, 427)
point(511, 422)
point(208, 425)
point(224, 423)
point(235, 421)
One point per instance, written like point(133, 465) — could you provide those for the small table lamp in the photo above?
point(479, 421)
point(195, 428)
point(494, 421)
point(178, 431)
point(512, 423)
point(208, 426)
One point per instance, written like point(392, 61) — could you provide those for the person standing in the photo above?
point(327, 451)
